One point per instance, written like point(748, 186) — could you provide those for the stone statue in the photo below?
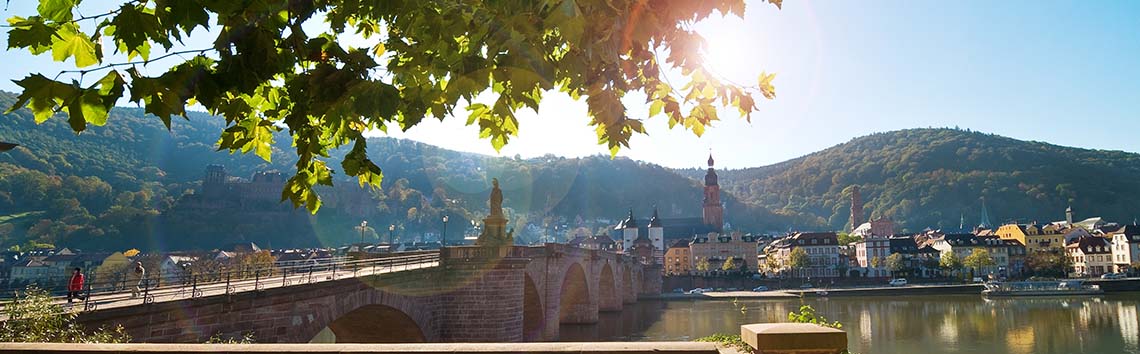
point(496, 198)
point(495, 233)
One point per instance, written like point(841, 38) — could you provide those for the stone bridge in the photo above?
point(476, 294)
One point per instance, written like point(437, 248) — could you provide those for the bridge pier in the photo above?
point(486, 300)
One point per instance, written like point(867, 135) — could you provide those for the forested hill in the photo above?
point(116, 185)
point(933, 177)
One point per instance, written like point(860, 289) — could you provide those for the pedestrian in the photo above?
point(75, 286)
point(140, 272)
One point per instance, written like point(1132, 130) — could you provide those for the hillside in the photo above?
point(933, 177)
point(121, 185)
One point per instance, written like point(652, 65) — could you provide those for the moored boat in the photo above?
point(1041, 288)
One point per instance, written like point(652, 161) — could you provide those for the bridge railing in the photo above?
point(226, 280)
point(478, 252)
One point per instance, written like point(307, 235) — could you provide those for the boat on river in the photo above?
point(1041, 288)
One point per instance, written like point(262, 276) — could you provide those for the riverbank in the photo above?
point(1109, 286)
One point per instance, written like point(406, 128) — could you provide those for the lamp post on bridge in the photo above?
point(363, 225)
point(391, 235)
point(443, 239)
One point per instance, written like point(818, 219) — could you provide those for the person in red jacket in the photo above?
point(75, 286)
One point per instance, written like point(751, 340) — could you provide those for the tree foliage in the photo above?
point(729, 264)
point(847, 239)
point(979, 258)
point(702, 265)
point(266, 72)
point(1049, 264)
point(950, 261)
point(34, 317)
point(798, 259)
point(896, 263)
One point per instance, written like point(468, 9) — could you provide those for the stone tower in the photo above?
point(1069, 215)
point(713, 209)
point(856, 207)
point(657, 236)
point(628, 228)
point(214, 184)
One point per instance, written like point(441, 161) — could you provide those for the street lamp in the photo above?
point(363, 224)
point(443, 241)
point(391, 234)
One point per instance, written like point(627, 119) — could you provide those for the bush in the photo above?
point(33, 317)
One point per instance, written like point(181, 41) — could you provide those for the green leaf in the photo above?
point(135, 27)
point(70, 42)
point(43, 96)
point(31, 33)
point(57, 10)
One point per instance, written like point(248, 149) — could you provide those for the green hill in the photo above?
point(934, 177)
point(123, 185)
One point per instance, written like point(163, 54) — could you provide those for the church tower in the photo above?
point(713, 209)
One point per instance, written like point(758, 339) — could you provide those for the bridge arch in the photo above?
point(534, 314)
point(574, 303)
point(372, 324)
point(609, 297)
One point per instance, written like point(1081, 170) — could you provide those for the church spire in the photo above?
point(710, 159)
point(654, 221)
point(985, 222)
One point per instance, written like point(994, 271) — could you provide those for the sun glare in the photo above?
point(728, 54)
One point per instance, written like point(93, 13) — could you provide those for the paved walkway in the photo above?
point(176, 293)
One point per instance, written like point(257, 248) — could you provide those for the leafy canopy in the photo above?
point(798, 259)
point(265, 73)
point(979, 258)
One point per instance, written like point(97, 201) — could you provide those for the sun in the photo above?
point(728, 53)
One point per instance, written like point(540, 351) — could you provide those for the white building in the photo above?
point(872, 256)
point(1091, 256)
point(822, 249)
point(1126, 247)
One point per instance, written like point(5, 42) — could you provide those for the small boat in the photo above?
point(1041, 288)
point(821, 292)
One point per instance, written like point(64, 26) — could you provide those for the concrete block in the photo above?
point(794, 338)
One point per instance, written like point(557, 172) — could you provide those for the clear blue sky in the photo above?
point(1064, 72)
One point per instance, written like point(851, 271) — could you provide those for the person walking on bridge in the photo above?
point(75, 286)
point(140, 272)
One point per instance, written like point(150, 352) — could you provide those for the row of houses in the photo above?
point(51, 269)
point(1092, 247)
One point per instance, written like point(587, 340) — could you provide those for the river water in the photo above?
point(915, 324)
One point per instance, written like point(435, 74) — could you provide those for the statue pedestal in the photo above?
point(494, 232)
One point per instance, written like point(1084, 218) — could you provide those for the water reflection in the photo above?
point(942, 324)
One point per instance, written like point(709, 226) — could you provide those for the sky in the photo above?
point(1063, 72)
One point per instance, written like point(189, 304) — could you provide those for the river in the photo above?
point(884, 325)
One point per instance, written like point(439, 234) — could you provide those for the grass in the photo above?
point(728, 340)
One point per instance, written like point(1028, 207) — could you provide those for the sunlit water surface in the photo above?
point(883, 325)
